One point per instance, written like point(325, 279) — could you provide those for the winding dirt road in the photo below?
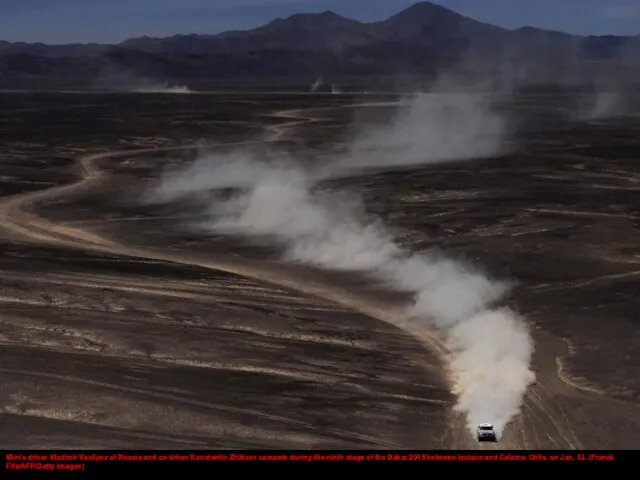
point(16, 219)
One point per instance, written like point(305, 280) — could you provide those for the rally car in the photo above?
point(486, 433)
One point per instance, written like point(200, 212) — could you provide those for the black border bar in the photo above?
point(22, 461)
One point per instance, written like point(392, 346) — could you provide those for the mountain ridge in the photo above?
point(417, 40)
point(416, 12)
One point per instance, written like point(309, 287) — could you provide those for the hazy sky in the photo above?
point(110, 21)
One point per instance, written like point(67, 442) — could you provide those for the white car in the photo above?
point(486, 433)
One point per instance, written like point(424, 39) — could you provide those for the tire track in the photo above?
point(222, 408)
point(16, 219)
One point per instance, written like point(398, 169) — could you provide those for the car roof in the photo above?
point(485, 425)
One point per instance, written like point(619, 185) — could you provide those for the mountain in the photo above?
point(322, 31)
point(424, 24)
point(420, 40)
point(41, 49)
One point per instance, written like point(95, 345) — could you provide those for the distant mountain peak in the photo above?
point(425, 8)
point(427, 15)
point(327, 16)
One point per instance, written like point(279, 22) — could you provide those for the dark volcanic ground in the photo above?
point(119, 327)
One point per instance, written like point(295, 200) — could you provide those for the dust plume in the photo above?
point(315, 85)
point(601, 106)
point(430, 128)
point(162, 88)
point(612, 93)
point(281, 199)
point(121, 80)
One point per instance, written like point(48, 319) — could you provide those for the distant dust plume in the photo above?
point(162, 88)
point(120, 80)
point(316, 84)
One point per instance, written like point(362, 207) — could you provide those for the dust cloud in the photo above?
point(602, 105)
point(277, 198)
point(162, 88)
point(121, 80)
point(316, 84)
